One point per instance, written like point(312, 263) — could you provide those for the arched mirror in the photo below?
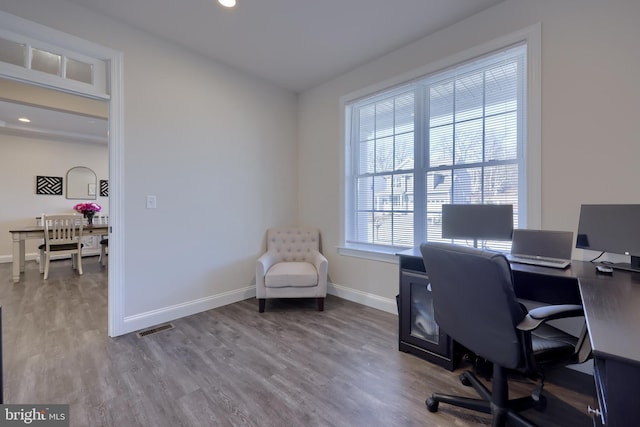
point(81, 183)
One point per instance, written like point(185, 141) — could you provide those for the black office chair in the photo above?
point(475, 304)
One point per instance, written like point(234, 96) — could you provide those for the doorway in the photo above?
point(112, 60)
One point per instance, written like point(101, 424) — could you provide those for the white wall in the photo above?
point(23, 159)
point(217, 148)
point(590, 109)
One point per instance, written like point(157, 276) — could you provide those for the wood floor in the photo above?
point(291, 366)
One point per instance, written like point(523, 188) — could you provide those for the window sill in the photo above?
point(373, 254)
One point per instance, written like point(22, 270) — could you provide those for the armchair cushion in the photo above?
point(296, 274)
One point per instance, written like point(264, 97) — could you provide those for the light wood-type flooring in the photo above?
point(231, 366)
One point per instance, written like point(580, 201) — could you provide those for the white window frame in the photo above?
point(530, 174)
point(98, 88)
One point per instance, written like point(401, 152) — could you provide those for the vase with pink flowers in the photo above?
point(88, 210)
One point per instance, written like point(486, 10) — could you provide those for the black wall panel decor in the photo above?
point(49, 185)
point(104, 188)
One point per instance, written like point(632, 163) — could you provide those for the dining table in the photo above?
point(20, 235)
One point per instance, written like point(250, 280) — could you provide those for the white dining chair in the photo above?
point(62, 236)
point(104, 240)
point(42, 246)
point(101, 219)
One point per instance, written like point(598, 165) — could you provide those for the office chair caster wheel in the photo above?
point(432, 405)
point(464, 379)
point(541, 404)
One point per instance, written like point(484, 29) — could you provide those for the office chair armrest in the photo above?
point(543, 314)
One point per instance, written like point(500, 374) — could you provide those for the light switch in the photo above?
point(151, 202)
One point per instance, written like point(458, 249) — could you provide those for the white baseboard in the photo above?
point(168, 314)
point(370, 300)
point(27, 257)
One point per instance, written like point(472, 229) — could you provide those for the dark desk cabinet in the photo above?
point(418, 332)
point(420, 335)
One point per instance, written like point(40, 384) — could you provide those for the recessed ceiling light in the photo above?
point(227, 3)
point(24, 120)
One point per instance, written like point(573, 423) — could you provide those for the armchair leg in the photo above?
point(320, 304)
point(261, 303)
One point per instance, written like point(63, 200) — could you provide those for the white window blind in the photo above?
point(456, 136)
point(385, 144)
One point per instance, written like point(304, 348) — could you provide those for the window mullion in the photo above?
point(420, 155)
point(484, 134)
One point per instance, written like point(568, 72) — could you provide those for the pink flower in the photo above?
point(87, 207)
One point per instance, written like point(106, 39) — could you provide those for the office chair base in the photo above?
point(497, 404)
point(465, 380)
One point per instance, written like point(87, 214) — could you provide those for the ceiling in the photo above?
point(295, 44)
point(51, 124)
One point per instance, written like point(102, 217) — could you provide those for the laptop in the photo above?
point(545, 248)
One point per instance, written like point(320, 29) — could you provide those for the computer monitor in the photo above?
point(611, 228)
point(477, 222)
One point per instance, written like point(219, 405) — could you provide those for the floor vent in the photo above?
point(155, 330)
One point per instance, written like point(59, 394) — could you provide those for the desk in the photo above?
point(612, 310)
point(612, 313)
point(19, 236)
point(420, 335)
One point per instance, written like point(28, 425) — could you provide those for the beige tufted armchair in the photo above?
point(292, 267)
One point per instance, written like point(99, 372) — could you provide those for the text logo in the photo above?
point(34, 415)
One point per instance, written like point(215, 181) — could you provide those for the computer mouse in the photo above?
point(604, 269)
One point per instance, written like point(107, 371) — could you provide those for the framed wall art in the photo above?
point(104, 188)
point(49, 185)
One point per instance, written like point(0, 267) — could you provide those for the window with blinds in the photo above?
point(455, 136)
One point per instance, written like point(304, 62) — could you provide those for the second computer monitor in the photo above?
point(611, 228)
point(477, 222)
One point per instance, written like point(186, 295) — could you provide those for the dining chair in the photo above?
point(104, 240)
point(42, 246)
point(104, 251)
point(62, 236)
point(101, 219)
